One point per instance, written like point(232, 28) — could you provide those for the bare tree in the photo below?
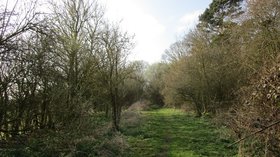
point(116, 48)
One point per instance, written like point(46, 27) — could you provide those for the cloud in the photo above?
point(149, 32)
point(188, 21)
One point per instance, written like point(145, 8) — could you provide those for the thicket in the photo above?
point(62, 74)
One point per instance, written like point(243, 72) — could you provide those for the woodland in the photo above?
point(67, 87)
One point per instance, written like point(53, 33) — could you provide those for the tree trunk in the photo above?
point(115, 125)
point(107, 110)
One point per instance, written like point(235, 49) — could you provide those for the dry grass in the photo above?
point(139, 106)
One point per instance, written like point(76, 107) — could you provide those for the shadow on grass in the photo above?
point(169, 132)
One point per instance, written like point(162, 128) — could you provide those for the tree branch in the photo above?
point(254, 133)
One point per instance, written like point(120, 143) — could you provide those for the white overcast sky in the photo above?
point(155, 23)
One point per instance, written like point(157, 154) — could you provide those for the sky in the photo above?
point(155, 24)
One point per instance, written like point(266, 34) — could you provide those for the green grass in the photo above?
point(173, 133)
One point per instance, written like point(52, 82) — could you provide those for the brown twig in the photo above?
point(254, 133)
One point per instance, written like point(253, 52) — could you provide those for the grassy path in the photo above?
point(169, 132)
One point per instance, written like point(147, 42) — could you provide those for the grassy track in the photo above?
point(169, 132)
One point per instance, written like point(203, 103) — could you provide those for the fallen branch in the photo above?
point(254, 133)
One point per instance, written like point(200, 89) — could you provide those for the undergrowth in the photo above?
point(92, 138)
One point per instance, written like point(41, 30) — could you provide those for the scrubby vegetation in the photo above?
point(62, 73)
point(65, 80)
